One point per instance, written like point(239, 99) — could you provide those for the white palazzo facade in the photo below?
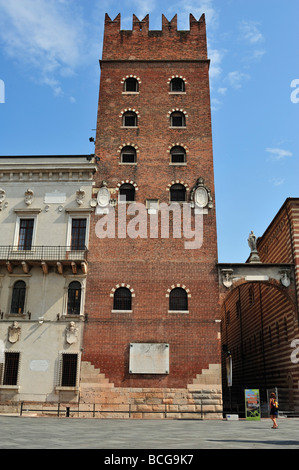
point(45, 206)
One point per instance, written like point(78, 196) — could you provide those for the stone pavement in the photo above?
point(70, 433)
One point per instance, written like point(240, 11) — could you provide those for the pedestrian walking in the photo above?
point(273, 410)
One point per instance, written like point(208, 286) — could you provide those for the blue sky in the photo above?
point(49, 53)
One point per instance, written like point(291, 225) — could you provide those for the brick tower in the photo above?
point(151, 301)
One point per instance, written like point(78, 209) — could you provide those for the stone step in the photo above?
point(95, 386)
point(94, 378)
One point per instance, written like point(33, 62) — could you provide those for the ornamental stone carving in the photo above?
point(201, 196)
point(29, 196)
point(103, 196)
point(227, 277)
point(285, 278)
point(71, 333)
point(14, 332)
point(2, 199)
point(80, 195)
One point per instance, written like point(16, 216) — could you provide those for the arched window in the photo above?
point(130, 119)
point(177, 119)
point(178, 193)
point(122, 299)
point(128, 155)
point(178, 154)
point(131, 85)
point(177, 84)
point(127, 192)
point(18, 297)
point(74, 298)
point(178, 299)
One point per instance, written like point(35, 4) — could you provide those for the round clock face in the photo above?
point(103, 197)
point(201, 197)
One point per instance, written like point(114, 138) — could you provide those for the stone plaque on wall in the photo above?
point(149, 358)
point(55, 198)
point(39, 365)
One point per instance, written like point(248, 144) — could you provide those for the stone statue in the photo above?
point(254, 256)
point(252, 241)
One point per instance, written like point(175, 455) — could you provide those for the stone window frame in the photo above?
point(181, 286)
point(183, 184)
point(129, 110)
point(77, 214)
point(183, 146)
point(60, 387)
point(68, 280)
point(113, 290)
point(13, 279)
point(177, 110)
point(120, 149)
point(123, 82)
point(171, 92)
point(15, 387)
point(126, 182)
point(22, 214)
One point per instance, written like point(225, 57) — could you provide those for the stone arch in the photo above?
point(117, 286)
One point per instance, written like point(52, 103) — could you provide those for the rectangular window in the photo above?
point(69, 370)
point(26, 234)
point(130, 120)
point(128, 157)
point(78, 234)
point(11, 368)
point(178, 157)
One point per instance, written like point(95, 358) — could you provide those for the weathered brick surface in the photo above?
point(152, 266)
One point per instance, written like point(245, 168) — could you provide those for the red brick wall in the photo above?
point(280, 242)
point(152, 266)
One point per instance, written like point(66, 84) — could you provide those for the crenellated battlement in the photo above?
point(140, 42)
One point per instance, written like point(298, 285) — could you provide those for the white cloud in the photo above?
point(236, 78)
point(250, 32)
point(222, 90)
point(216, 57)
point(203, 6)
point(278, 153)
point(143, 7)
point(46, 36)
point(277, 181)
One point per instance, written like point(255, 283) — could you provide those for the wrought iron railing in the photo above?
point(43, 253)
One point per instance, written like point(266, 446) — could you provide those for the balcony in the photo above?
point(44, 256)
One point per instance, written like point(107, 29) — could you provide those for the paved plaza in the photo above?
point(70, 433)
